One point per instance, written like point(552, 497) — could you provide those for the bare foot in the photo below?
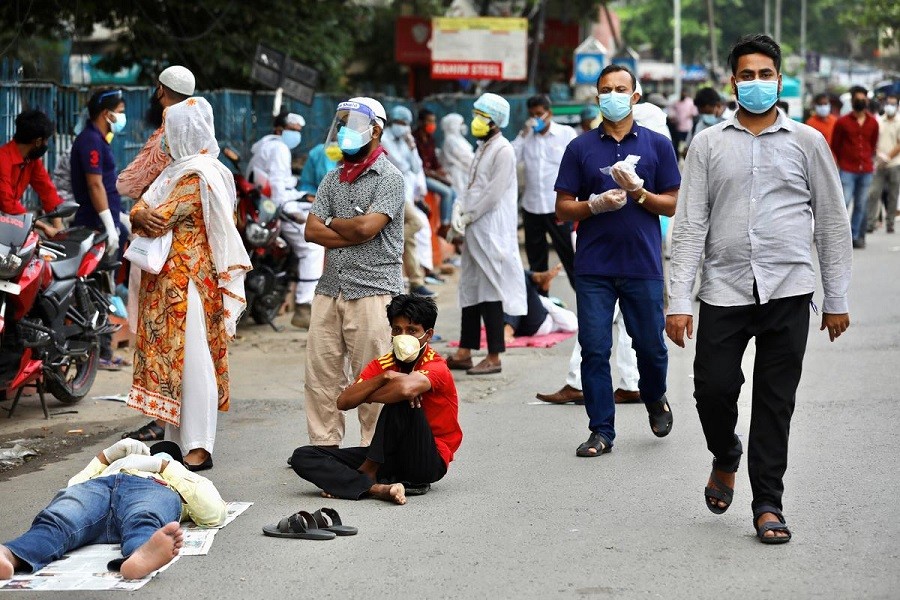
point(162, 547)
point(544, 278)
point(8, 563)
point(727, 479)
point(509, 334)
point(327, 495)
point(370, 469)
point(394, 492)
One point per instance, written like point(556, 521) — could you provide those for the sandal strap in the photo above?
point(721, 487)
point(766, 508)
point(332, 514)
point(718, 495)
point(292, 524)
point(594, 441)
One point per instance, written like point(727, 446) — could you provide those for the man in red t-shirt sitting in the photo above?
point(417, 431)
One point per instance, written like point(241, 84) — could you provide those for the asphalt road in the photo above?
point(518, 515)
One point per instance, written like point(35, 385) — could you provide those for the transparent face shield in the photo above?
point(351, 129)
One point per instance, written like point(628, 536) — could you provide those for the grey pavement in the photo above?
point(520, 516)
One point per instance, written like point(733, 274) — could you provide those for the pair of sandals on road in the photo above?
point(720, 492)
point(660, 415)
point(324, 524)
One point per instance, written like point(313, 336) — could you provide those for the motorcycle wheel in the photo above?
point(75, 379)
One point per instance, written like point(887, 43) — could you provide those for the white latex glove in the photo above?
point(137, 462)
point(529, 126)
point(112, 242)
point(608, 201)
point(459, 220)
point(125, 220)
point(623, 173)
point(123, 448)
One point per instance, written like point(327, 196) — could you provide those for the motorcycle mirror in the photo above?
point(63, 211)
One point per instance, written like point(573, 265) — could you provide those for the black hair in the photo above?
point(106, 99)
point(154, 115)
point(783, 105)
point(418, 309)
point(280, 119)
point(756, 43)
point(858, 89)
point(821, 96)
point(707, 97)
point(424, 113)
point(31, 125)
point(539, 100)
point(615, 69)
point(178, 96)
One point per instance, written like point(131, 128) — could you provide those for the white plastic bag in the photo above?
point(150, 254)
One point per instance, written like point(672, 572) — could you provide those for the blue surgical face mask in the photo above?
point(350, 141)
point(539, 124)
point(615, 106)
point(399, 130)
point(291, 138)
point(709, 120)
point(118, 125)
point(757, 96)
point(823, 110)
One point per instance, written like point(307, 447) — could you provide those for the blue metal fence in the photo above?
point(241, 117)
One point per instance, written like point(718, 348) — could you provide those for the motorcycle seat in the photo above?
point(76, 241)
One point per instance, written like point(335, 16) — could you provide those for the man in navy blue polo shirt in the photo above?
point(94, 168)
point(616, 180)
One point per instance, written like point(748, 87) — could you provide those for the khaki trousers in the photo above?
point(411, 265)
point(344, 336)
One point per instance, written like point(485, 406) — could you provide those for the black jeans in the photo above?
point(781, 328)
point(470, 328)
point(537, 227)
point(528, 324)
point(402, 444)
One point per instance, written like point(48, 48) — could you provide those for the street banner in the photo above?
point(479, 48)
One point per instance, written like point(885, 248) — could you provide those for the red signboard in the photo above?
point(460, 69)
point(411, 37)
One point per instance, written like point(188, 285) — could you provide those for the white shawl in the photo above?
point(191, 141)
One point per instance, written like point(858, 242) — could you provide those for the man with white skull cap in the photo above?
point(178, 79)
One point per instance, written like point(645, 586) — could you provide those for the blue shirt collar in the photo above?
point(632, 132)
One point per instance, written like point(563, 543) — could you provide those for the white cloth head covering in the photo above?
point(496, 106)
point(452, 124)
point(374, 105)
point(178, 79)
point(191, 140)
point(295, 119)
point(401, 113)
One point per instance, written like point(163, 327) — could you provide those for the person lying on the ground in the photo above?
point(128, 494)
point(417, 432)
point(544, 316)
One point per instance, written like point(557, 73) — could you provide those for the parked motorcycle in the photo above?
point(259, 222)
point(53, 307)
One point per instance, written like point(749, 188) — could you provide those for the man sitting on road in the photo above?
point(128, 494)
point(417, 432)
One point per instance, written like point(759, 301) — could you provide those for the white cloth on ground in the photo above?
point(199, 393)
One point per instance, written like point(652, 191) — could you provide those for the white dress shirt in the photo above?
point(541, 154)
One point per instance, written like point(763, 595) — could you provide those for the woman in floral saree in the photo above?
point(189, 311)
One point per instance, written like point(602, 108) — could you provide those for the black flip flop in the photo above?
point(150, 432)
point(299, 525)
point(775, 526)
point(328, 519)
point(721, 493)
point(598, 443)
point(660, 418)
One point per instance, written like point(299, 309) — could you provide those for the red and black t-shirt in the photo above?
point(440, 403)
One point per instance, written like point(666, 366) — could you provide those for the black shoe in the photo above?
point(151, 432)
point(859, 244)
point(205, 465)
point(660, 414)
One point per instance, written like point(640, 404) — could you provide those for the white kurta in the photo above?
point(491, 265)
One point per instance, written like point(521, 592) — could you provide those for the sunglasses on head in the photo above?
point(109, 94)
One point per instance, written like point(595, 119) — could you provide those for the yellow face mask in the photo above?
point(333, 153)
point(479, 127)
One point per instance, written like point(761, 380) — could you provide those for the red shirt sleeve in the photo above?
point(43, 186)
point(9, 204)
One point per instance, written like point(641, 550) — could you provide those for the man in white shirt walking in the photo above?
point(540, 147)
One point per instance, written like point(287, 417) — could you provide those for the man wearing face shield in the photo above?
point(617, 180)
point(21, 166)
point(418, 429)
point(491, 281)
point(358, 217)
point(271, 161)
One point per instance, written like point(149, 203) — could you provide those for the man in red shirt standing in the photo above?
point(417, 431)
point(822, 120)
point(853, 143)
point(21, 166)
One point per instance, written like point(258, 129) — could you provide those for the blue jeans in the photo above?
point(641, 301)
point(117, 509)
point(856, 191)
point(447, 194)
